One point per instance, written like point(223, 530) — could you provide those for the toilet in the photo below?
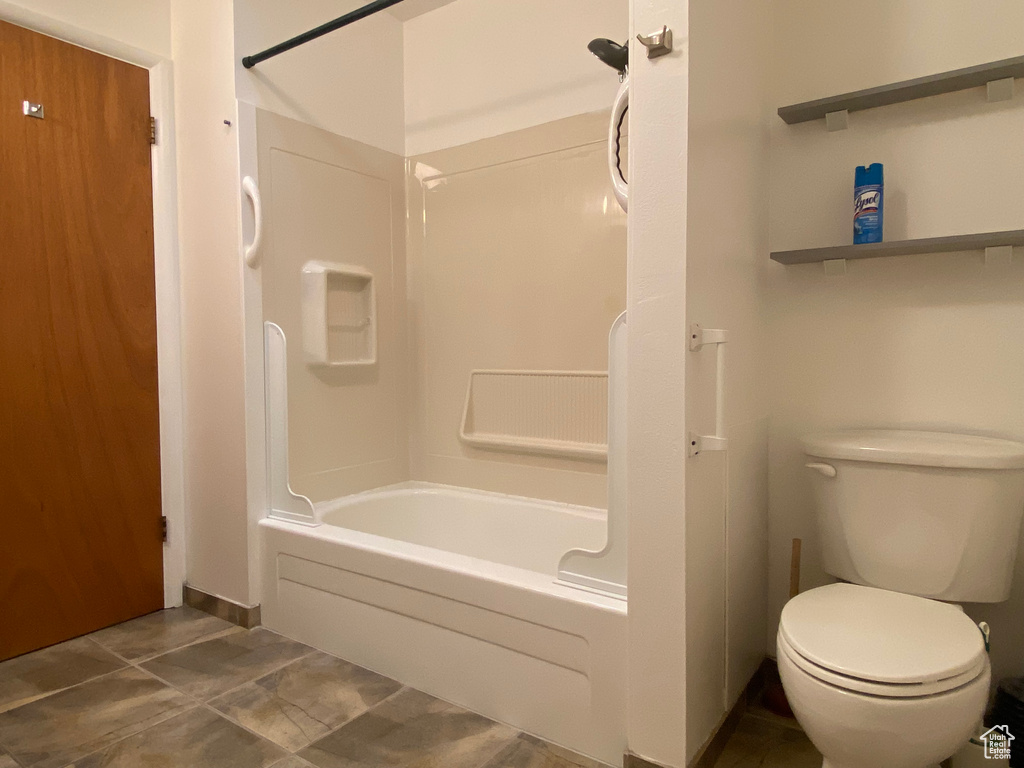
point(884, 669)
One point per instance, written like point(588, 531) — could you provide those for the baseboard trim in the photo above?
point(242, 615)
point(635, 761)
point(708, 754)
point(712, 749)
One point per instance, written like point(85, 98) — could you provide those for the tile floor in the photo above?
point(181, 689)
point(762, 740)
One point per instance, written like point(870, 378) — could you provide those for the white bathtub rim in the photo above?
point(441, 560)
point(411, 487)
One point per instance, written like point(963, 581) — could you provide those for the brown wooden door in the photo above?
point(80, 527)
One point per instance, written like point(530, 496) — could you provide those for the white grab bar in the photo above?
point(252, 191)
point(700, 337)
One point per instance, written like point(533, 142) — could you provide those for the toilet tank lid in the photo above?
point(923, 449)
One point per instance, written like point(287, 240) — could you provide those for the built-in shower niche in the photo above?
point(339, 315)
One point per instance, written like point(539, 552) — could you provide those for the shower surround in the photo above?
point(422, 554)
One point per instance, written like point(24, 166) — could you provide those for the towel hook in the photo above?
point(657, 43)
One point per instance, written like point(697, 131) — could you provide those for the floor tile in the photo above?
point(293, 762)
point(159, 632)
point(56, 730)
point(196, 739)
point(795, 753)
point(768, 744)
point(306, 700)
point(761, 712)
point(412, 730)
point(213, 667)
point(530, 752)
point(36, 674)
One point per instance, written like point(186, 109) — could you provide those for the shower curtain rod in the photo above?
point(342, 21)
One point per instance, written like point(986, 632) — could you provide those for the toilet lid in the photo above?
point(881, 636)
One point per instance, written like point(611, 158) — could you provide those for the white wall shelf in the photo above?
point(339, 315)
point(975, 242)
point(906, 90)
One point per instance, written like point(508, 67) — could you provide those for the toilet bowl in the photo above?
point(881, 679)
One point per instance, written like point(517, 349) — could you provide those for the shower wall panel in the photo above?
point(517, 261)
point(332, 199)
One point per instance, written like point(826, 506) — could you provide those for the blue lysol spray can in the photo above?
point(867, 204)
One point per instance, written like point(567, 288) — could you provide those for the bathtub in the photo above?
point(454, 592)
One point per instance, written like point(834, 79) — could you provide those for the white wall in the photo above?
point(209, 215)
point(928, 342)
point(727, 240)
point(348, 82)
point(656, 300)
point(465, 71)
point(145, 26)
point(480, 68)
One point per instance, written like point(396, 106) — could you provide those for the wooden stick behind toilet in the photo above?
point(794, 569)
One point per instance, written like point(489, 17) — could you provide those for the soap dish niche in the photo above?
point(339, 315)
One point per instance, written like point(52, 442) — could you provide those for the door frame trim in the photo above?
point(168, 289)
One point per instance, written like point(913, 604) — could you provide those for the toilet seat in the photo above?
point(873, 688)
point(881, 643)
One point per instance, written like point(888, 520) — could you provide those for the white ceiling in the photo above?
point(409, 9)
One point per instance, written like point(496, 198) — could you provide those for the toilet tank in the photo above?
point(924, 513)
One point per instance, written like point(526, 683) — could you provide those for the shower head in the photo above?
point(611, 53)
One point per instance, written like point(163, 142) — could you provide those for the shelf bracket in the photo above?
point(701, 337)
point(999, 256)
point(999, 90)
point(834, 267)
point(837, 121)
point(701, 443)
